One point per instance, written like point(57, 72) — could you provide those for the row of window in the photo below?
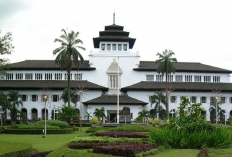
point(203, 99)
point(39, 76)
point(35, 98)
point(114, 47)
point(179, 78)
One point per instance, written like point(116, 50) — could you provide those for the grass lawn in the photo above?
point(50, 142)
point(178, 153)
point(225, 152)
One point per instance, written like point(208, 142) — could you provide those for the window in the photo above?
point(179, 78)
point(170, 78)
point(24, 97)
point(114, 47)
point(66, 76)
point(159, 78)
point(207, 78)
point(173, 99)
point(58, 76)
point(55, 98)
point(230, 100)
point(9, 76)
point(108, 47)
point(78, 76)
point(103, 47)
point(28, 76)
point(19, 76)
point(197, 78)
point(34, 98)
point(150, 77)
point(203, 99)
point(38, 76)
point(113, 81)
point(212, 101)
point(188, 78)
point(125, 47)
point(119, 47)
point(48, 76)
point(150, 98)
point(223, 100)
point(193, 99)
point(216, 78)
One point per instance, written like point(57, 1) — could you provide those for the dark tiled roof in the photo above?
point(52, 84)
point(112, 99)
point(45, 65)
point(182, 67)
point(179, 86)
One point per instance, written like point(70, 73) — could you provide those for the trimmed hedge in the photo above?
point(133, 128)
point(75, 129)
point(83, 125)
point(94, 129)
point(33, 127)
point(59, 123)
point(122, 134)
point(33, 131)
point(14, 149)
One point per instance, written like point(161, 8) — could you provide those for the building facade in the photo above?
point(114, 65)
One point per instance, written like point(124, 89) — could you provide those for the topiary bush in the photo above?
point(95, 120)
point(122, 134)
point(132, 128)
point(31, 127)
point(58, 123)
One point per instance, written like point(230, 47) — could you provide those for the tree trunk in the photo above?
point(167, 95)
point(69, 70)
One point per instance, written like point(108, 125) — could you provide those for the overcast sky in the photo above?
point(196, 30)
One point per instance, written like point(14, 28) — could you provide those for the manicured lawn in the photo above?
point(51, 142)
point(178, 153)
point(226, 152)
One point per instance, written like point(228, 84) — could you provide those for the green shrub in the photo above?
point(94, 120)
point(75, 129)
point(83, 125)
point(31, 127)
point(14, 149)
point(61, 124)
point(33, 131)
point(178, 137)
point(96, 129)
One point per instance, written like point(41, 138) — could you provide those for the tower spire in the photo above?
point(114, 18)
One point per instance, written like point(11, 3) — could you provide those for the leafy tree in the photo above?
point(6, 47)
point(73, 95)
point(100, 113)
point(67, 113)
point(158, 98)
point(68, 53)
point(166, 67)
point(88, 115)
point(16, 100)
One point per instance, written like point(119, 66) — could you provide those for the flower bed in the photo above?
point(40, 154)
point(88, 145)
point(122, 134)
point(128, 150)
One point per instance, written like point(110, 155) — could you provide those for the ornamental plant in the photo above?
point(94, 120)
point(155, 121)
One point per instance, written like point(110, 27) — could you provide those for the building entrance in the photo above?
point(113, 117)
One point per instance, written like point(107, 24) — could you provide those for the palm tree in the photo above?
point(88, 115)
point(16, 100)
point(68, 53)
point(73, 96)
point(157, 99)
point(144, 114)
point(67, 113)
point(166, 67)
point(100, 113)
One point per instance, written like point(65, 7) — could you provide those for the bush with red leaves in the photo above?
point(128, 150)
point(122, 134)
point(203, 153)
point(88, 145)
point(41, 154)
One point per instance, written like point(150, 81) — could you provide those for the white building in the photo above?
point(138, 80)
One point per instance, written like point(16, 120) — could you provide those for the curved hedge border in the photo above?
point(15, 149)
point(33, 131)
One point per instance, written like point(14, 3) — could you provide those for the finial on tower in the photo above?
point(114, 18)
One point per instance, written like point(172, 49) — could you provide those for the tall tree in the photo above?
point(4, 104)
point(16, 100)
point(6, 47)
point(67, 113)
point(158, 98)
point(68, 53)
point(166, 67)
point(100, 113)
point(144, 114)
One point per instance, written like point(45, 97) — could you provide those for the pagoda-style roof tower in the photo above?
point(113, 33)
